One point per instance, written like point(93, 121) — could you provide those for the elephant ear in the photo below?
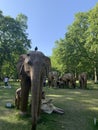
point(47, 65)
point(20, 63)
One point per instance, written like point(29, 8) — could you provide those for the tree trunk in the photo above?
point(95, 73)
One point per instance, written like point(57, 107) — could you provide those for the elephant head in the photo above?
point(32, 68)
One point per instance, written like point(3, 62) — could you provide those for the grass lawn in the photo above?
point(80, 106)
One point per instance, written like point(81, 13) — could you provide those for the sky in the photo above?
point(48, 20)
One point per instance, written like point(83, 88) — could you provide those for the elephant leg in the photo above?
point(49, 83)
point(80, 84)
point(25, 87)
point(67, 83)
point(73, 84)
point(85, 84)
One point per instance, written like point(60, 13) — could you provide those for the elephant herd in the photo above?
point(32, 68)
point(67, 80)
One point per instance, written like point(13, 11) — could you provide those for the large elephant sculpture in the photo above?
point(32, 68)
point(52, 78)
point(69, 80)
point(83, 80)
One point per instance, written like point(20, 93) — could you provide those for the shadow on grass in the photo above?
point(8, 125)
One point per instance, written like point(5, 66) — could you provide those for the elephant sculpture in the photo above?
point(83, 80)
point(52, 78)
point(18, 98)
point(69, 80)
point(32, 68)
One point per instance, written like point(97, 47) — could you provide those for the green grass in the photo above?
point(80, 106)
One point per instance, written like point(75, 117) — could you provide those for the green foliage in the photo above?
point(80, 45)
point(22, 19)
point(13, 42)
point(92, 33)
point(58, 62)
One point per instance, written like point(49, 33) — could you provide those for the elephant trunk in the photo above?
point(36, 90)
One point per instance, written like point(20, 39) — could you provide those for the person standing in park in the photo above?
point(6, 81)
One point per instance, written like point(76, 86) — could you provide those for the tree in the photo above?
point(22, 19)
point(58, 56)
point(13, 41)
point(80, 43)
point(92, 39)
point(76, 38)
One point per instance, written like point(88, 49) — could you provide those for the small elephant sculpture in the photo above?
point(18, 98)
point(69, 80)
point(52, 78)
point(83, 80)
point(32, 69)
